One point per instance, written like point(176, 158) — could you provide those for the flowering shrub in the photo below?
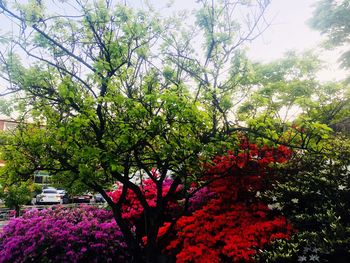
point(314, 194)
point(250, 158)
point(132, 208)
point(81, 234)
point(226, 229)
point(232, 225)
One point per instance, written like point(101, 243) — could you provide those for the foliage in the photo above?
point(15, 190)
point(289, 104)
point(270, 77)
point(314, 195)
point(16, 195)
point(283, 85)
point(59, 234)
point(332, 19)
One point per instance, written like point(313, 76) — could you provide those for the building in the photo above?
point(7, 125)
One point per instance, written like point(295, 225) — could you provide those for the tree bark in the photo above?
point(18, 210)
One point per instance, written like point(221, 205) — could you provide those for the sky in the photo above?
point(288, 30)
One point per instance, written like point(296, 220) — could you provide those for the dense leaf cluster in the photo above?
point(314, 194)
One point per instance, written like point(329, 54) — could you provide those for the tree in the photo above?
point(282, 84)
point(15, 190)
point(111, 93)
point(291, 104)
point(16, 195)
point(331, 18)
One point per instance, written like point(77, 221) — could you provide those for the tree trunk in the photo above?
point(18, 210)
point(133, 246)
point(152, 228)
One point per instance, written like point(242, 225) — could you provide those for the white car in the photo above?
point(64, 195)
point(49, 196)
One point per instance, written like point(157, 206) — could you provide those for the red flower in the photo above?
point(229, 225)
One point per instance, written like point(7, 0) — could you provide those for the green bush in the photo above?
point(314, 194)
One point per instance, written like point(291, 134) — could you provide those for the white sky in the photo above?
point(288, 30)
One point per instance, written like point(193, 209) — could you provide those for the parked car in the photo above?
point(84, 198)
point(99, 198)
point(64, 195)
point(49, 196)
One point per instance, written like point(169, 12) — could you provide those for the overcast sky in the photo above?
point(289, 29)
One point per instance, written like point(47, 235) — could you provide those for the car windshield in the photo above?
point(50, 191)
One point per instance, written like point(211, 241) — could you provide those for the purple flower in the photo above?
point(85, 233)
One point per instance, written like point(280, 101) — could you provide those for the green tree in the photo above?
point(288, 98)
point(332, 18)
point(111, 92)
point(16, 195)
point(16, 184)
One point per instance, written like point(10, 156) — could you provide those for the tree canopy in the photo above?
point(331, 18)
point(287, 95)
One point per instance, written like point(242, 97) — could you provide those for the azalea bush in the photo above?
point(132, 208)
point(233, 225)
point(226, 230)
point(85, 233)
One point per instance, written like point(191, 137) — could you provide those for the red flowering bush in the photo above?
point(232, 226)
point(225, 229)
point(132, 208)
point(250, 158)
